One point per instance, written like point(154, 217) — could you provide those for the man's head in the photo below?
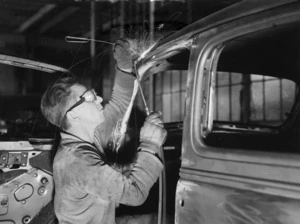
point(67, 102)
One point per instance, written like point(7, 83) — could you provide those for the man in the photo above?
point(87, 188)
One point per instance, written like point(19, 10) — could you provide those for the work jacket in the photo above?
point(87, 187)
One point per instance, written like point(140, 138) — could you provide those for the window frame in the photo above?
point(209, 44)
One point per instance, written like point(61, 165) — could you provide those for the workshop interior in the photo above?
point(238, 105)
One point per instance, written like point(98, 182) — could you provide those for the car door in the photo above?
point(27, 145)
point(240, 153)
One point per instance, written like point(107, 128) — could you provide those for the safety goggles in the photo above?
point(87, 96)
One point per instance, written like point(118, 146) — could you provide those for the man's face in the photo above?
point(90, 110)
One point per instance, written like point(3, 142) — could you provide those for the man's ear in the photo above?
point(71, 115)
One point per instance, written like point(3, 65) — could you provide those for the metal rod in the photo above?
point(143, 97)
point(84, 40)
point(141, 90)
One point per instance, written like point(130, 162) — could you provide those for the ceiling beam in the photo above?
point(57, 19)
point(33, 19)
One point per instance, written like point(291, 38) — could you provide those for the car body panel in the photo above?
point(224, 185)
point(26, 182)
point(199, 202)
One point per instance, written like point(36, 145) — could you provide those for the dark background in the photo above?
point(37, 30)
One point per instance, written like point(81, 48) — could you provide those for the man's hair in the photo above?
point(56, 99)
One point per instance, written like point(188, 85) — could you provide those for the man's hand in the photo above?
point(153, 130)
point(124, 54)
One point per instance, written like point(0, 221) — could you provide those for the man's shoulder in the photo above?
point(77, 155)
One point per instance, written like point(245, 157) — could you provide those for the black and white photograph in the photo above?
point(149, 112)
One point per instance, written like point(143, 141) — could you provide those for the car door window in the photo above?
point(255, 91)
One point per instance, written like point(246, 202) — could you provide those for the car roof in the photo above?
point(183, 37)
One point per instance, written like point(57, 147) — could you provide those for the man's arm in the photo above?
point(102, 180)
point(121, 94)
point(109, 184)
point(114, 110)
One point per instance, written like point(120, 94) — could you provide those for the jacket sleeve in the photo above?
point(115, 108)
point(104, 181)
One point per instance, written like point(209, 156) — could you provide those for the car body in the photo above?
point(239, 156)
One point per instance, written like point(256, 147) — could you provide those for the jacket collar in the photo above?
point(67, 138)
